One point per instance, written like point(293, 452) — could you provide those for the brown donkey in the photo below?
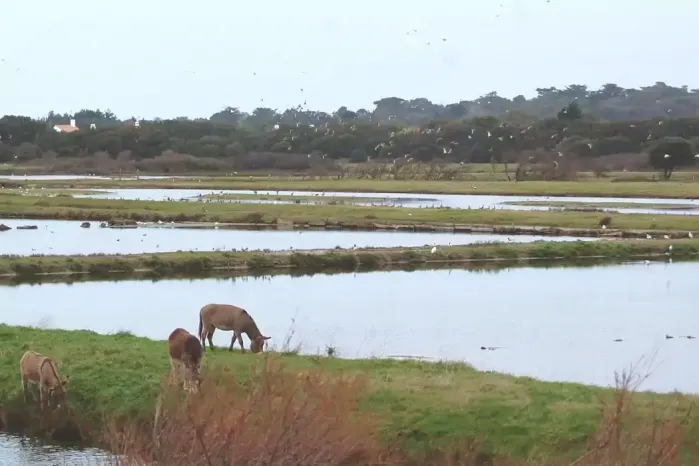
point(228, 317)
point(185, 358)
point(40, 372)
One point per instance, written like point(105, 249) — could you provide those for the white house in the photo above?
point(71, 128)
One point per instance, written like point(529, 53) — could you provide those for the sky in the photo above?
point(172, 58)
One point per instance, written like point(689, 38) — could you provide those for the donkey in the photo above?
point(38, 371)
point(185, 358)
point(228, 317)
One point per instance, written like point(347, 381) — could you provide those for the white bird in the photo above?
point(669, 248)
point(667, 156)
point(666, 237)
point(434, 249)
point(604, 227)
point(649, 237)
point(647, 262)
point(690, 234)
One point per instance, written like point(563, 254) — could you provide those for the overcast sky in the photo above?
point(191, 58)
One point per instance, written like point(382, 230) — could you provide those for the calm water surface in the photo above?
point(66, 237)
point(454, 201)
point(16, 451)
point(554, 324)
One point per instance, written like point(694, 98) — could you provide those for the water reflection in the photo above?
point(454, 201)
point(65, 237)
point(17, 451)
point(555, 324)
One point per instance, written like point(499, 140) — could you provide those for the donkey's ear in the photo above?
point(266, 338)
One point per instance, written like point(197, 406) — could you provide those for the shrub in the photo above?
point(276, 418)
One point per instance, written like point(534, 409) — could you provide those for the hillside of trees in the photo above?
point(574, 123)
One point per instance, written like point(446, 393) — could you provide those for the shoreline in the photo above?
point(201, 264)
point(501, 230)
point(493, 265)
point(582, 188)
point(440, 402)
point(328, 216)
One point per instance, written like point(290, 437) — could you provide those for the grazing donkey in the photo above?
point(40, 372)
point(228, 317)
point(185, 358)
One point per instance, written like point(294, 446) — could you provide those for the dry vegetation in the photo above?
point(284, 418)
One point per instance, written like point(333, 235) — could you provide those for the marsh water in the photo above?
point(556, 324)
point(18, 451)
point(64, 237)
point(454, 201)
point(415, 200)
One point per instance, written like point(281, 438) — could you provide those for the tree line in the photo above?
point(571, 122)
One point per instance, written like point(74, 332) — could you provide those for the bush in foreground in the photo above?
point(283, 418)
point(276, 418)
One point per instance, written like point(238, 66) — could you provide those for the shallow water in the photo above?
point(454, 201)
point(554, 324)
point(65, 237)
point(16, 451)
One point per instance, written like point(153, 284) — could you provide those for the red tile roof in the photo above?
point(67, 128)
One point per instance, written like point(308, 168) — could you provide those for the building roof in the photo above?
point(67, 128)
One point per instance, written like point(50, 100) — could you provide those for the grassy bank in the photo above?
point(335, 216)
point(50, 192)
point(485, 266)
point(320, 261)
point(604, 205)
point(417, 404)
point(593, 187)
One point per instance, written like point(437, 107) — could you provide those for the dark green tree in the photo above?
point(669, 153)
point(570, 112)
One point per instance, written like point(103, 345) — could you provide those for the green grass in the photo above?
point(421, 404)
point(50, 192)
point(207, 263)
point(322, 215)
point(594, 187)
point(604, 205)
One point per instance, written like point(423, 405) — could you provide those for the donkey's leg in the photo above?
point(210, 336)
point(239, 334)
point(235, 335)
point(25, 390)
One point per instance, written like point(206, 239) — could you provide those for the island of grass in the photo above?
point(340, 260)
point(584, 187)
point(419, 405)
point(604, 205)
point(51, 192)
point(326, 216)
